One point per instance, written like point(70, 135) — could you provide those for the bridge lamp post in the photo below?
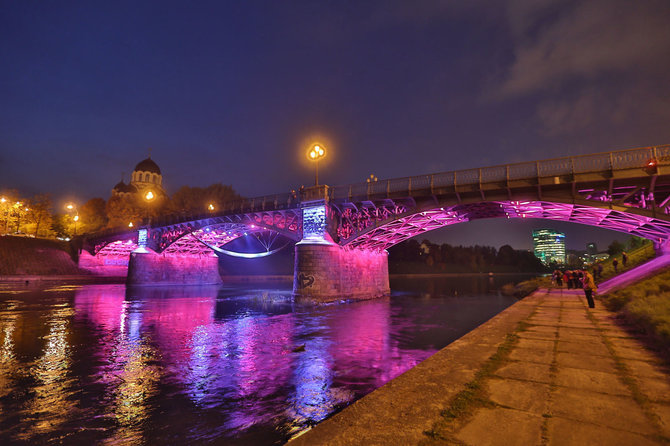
point(210, 207)
point(149, 197)
point(315, 154)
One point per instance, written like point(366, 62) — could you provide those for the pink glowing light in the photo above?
point(384, 235)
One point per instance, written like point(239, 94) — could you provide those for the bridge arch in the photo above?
point(394, 227)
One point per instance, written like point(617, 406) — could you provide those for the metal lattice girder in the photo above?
point(120, 248)
point(285, 222)
point(396, 230)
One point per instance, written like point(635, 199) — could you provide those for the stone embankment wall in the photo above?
point(33, 256)
point(326, 272)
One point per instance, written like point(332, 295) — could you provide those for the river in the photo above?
point(194, 365)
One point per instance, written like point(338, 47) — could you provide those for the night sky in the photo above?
point(234, 92)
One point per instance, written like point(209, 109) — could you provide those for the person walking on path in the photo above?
point(558, 277)
point(589, 288)
point(615, 263)
point(624, 258)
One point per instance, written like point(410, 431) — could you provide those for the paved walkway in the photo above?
point(573, 377)
point(568, 375)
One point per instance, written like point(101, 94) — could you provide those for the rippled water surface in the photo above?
point(105, 364)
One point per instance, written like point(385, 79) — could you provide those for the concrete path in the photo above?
point(558, 374)
point(573, 377)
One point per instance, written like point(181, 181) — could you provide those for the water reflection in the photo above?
point(106, 364)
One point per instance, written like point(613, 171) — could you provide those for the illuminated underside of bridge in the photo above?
point(389, 234)
point(201, 242)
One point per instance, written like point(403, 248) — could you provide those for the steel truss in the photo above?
point(384, 234)
point(182, 238)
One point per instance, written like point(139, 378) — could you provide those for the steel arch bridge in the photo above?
point(626, 190)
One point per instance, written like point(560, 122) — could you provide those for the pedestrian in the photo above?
point(615, 263)
point(575, 279)
point(568, 279)
point(558, 276)
point(624, 258)
point(589, 288)
point(600, 270)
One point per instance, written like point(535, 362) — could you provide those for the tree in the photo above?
point(123, 210)
point(93, 215)
point(40, 213)
point(195, 200)
point(58, 225)
point(636, 242)
point(616, 247)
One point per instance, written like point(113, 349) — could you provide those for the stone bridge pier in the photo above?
point(325, 271)
point(147, 267)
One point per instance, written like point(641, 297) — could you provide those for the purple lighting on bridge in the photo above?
point(379, 237)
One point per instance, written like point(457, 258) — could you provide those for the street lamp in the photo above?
point(210, 207)
point(149, 196)
point(72, 208)
point(315, 154)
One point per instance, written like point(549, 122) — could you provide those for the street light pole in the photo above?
point(149, 197)
point(72, 208)
point(315, 153)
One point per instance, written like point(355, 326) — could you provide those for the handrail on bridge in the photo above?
point(578, 164)
point(571, 165)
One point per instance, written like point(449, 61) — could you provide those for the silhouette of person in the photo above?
point(589, 288)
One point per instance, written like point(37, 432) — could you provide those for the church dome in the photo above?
point(123, 188)
point(148, 165)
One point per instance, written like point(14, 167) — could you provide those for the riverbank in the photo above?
point(547, 370)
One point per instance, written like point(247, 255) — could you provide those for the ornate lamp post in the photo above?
point(316, 152)
point(149, 197)
point(72, 208)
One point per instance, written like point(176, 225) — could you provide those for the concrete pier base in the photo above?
point(149, 268)
point(326, 272)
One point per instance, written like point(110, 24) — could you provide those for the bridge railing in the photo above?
point(579, 164)
point(607, 161)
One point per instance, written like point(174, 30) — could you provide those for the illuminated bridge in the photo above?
point(342, 232)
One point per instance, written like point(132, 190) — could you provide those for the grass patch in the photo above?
point(645, 304)
point(523, 289)
point(624, 374)
point(635, 258)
